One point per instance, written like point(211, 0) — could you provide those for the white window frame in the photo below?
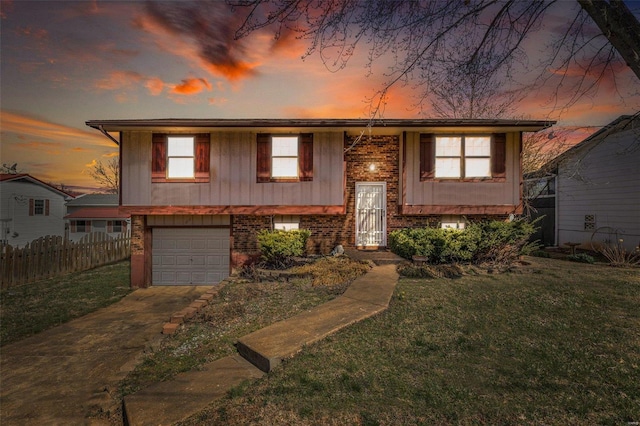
point(183, 165)
point(280, 155)
point(286, 223)
point(462, 153)
point(39, 206)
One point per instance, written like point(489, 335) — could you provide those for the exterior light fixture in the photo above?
point(372, 167)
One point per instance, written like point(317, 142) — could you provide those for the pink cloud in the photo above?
point(118, 80)
point(154, 85)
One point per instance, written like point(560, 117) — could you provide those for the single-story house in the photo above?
point(593, 189)
point(199, 190)
point(95, 213)
point(30, 209)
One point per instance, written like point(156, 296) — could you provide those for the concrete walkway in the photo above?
point(66, 374)
point(170, 402)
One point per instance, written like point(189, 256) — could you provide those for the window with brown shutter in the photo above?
point(462, 157)
point(263, 163)
point(159, 158)
point(284, 158)
point(38, 207)
point(180, 162)
point(306, 157)
point(499, 156)
point(427, 156)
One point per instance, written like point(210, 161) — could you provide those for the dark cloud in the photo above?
point(211, 25)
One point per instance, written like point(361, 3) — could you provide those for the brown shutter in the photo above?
point(159, 157)
point(87, 226)
point(46, 207)
point(427, 156)
point(499, 155)
point(31, 207)
point(109, 226)
point(305, 157)
point(263, 163)
point(202, 157)
point(73, 226)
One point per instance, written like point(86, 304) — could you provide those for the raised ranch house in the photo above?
point(95, 213)
point(198, 190)
point(29, 209)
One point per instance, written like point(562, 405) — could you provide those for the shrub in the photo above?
point(279, 247)
point(494, 242)
point(581, 257)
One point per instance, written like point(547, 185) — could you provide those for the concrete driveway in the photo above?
point(66, 375)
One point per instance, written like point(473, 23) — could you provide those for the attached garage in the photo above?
point(190, 256)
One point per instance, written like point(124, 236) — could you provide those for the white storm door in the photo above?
point(371, 214)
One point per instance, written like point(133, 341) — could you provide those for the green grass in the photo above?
point(556, 343)
point(31, 308)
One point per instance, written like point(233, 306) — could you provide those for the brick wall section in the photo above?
point(137, 234)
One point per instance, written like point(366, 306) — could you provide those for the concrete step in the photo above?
point(169, 402)
point(365, 297)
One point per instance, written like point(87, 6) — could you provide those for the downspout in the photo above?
point(556, 212)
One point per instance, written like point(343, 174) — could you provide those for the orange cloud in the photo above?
point(24, 125)
point(191, 86)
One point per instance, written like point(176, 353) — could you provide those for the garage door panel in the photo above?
point(190, 256)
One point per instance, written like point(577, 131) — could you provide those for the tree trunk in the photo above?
point(619, 26)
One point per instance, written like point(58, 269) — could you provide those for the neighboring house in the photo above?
point(29, 209)
point(95, 213)
point(198, 191)
point(593, 189)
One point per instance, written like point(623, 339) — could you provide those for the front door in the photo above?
point(371, 214)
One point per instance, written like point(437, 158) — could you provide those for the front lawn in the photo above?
point(32, 308)
point(555, 343)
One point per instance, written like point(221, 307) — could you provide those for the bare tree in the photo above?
point(421, 36)
point(107, 175)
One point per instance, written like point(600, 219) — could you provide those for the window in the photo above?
point(38, 207)
point(180, 158)
point(284, 157)
point(462, 156)
point(286, 223)
point(115, 226)
point(452, 222)
point(82, 226)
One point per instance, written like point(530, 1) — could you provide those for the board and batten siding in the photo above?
point(232, 175)
point(601, 180)
point(452, 193)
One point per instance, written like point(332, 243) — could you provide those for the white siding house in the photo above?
point(96, 213)
point(29, 209)
point(598, 187)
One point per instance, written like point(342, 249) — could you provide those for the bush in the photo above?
point(494, 242)
point(279, 247)
point(581, 257)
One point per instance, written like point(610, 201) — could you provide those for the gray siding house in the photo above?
point(597, 187)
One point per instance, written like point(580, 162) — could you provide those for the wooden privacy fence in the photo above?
point(51, 256)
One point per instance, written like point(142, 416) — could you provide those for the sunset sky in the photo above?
point(66, 62)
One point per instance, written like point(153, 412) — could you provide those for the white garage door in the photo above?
point(190, 256)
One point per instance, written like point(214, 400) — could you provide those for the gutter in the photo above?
point(104, 132)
